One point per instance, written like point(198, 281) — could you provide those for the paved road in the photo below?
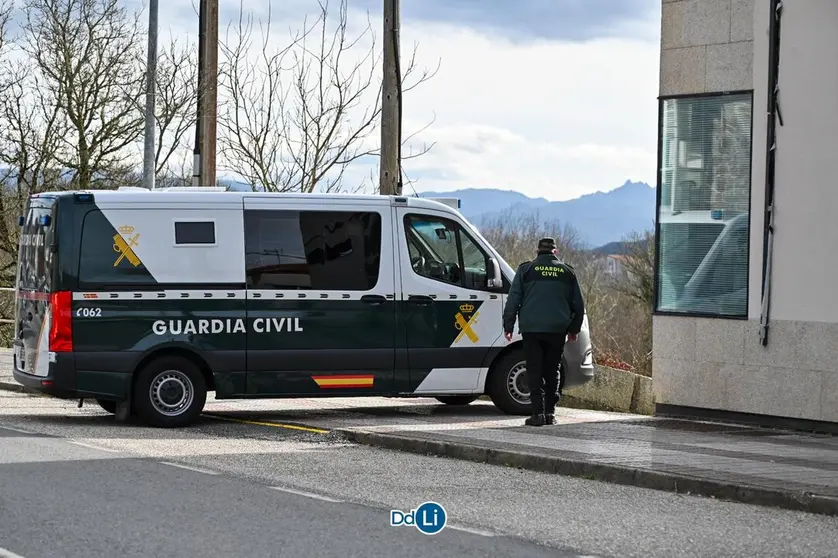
point(61, 499)
point(592, 518)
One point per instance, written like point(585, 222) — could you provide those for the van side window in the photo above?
point(312, 250)
point(442, 250)
point(194, 232)
point(106, 256)
point(35, 258)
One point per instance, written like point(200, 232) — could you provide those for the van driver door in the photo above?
point(450, 318)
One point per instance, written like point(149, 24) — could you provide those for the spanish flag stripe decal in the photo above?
point(344, 381)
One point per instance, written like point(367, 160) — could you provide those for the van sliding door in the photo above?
point(320, 297)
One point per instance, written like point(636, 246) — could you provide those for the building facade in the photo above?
point(732, 153)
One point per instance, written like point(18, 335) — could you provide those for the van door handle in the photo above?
point(373, 299)
point(421, 300)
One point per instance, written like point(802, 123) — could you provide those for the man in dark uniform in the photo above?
point(546, 300)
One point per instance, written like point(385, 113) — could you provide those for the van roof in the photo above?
point(216, 195)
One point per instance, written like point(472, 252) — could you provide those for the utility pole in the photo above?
point(204, 155)
point(391, 104)
point(150, 92)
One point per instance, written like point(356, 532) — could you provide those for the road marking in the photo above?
point(91, 446)
point(8, 553)
point(271, 424)
point(188, 468)
point(306, 494)
point(470, 530)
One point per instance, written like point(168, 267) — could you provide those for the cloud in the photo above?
point(561, 114)
point(525, 20)
point(553, 119)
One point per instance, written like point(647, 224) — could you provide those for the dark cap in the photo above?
point(546, 244)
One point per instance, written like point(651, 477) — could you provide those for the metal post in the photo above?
point(151, 79)
point(390, 171)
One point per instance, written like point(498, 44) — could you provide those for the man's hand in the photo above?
point(572, 338)
point(508, 335)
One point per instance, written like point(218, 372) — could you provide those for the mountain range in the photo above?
point(599, 218)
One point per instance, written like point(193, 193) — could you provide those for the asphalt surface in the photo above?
point(114, 491)
point(60, 499)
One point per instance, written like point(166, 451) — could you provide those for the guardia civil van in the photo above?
point(146, 300)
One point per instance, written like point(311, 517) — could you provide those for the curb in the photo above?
point(670, 482)
point(12, 386)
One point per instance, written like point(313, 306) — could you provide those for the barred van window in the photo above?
point(704, 205)
point(194, 232)
point(316, 250)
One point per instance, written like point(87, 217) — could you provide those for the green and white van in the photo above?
point(146, 300)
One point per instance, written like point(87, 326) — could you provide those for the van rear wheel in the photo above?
point(456, 399)
point(170, 392)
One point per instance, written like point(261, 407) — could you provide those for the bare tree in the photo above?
point(29, 136)
point(83, 55)
point(175, 114)
point(639, 264)
point(515, 236)
point(297, 116)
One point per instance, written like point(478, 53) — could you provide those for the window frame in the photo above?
point(258, 214)
point(459, 230)
point(178, 220)
point(656, 283)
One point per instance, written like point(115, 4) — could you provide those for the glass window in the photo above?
point(194, 232)
point(35, 265)
point(106, 256)
point(441, 250)
point(703, 214)
point(319, 250)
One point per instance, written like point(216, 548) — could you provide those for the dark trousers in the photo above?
point(543, 352)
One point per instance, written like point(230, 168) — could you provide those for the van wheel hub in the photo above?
point(171, 392)
point(518, 385)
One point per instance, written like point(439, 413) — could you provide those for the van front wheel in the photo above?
point(170, 392)
point(508, 386)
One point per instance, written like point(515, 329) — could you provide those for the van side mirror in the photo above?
point(495, 278)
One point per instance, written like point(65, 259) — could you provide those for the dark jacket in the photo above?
point(545, 297)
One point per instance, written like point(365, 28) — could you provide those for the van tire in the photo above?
point(167, 381)
point(456, 399)
point(498, 388)
point(109, 406)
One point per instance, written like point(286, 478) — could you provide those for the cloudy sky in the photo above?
point(553, 98)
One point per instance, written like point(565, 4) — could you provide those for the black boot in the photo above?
point(549, 418)
point(535, 420)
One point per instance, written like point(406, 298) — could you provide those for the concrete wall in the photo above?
point(706, 45)
point(720, 364)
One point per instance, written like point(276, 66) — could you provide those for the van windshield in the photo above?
point(35, 259)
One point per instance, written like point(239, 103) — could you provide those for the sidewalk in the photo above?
point(740, 463)
point(7, 381)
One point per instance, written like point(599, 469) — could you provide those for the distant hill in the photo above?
point(620, 248)
point(599, 218)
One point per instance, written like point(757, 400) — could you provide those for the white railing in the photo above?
point(7, 289)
